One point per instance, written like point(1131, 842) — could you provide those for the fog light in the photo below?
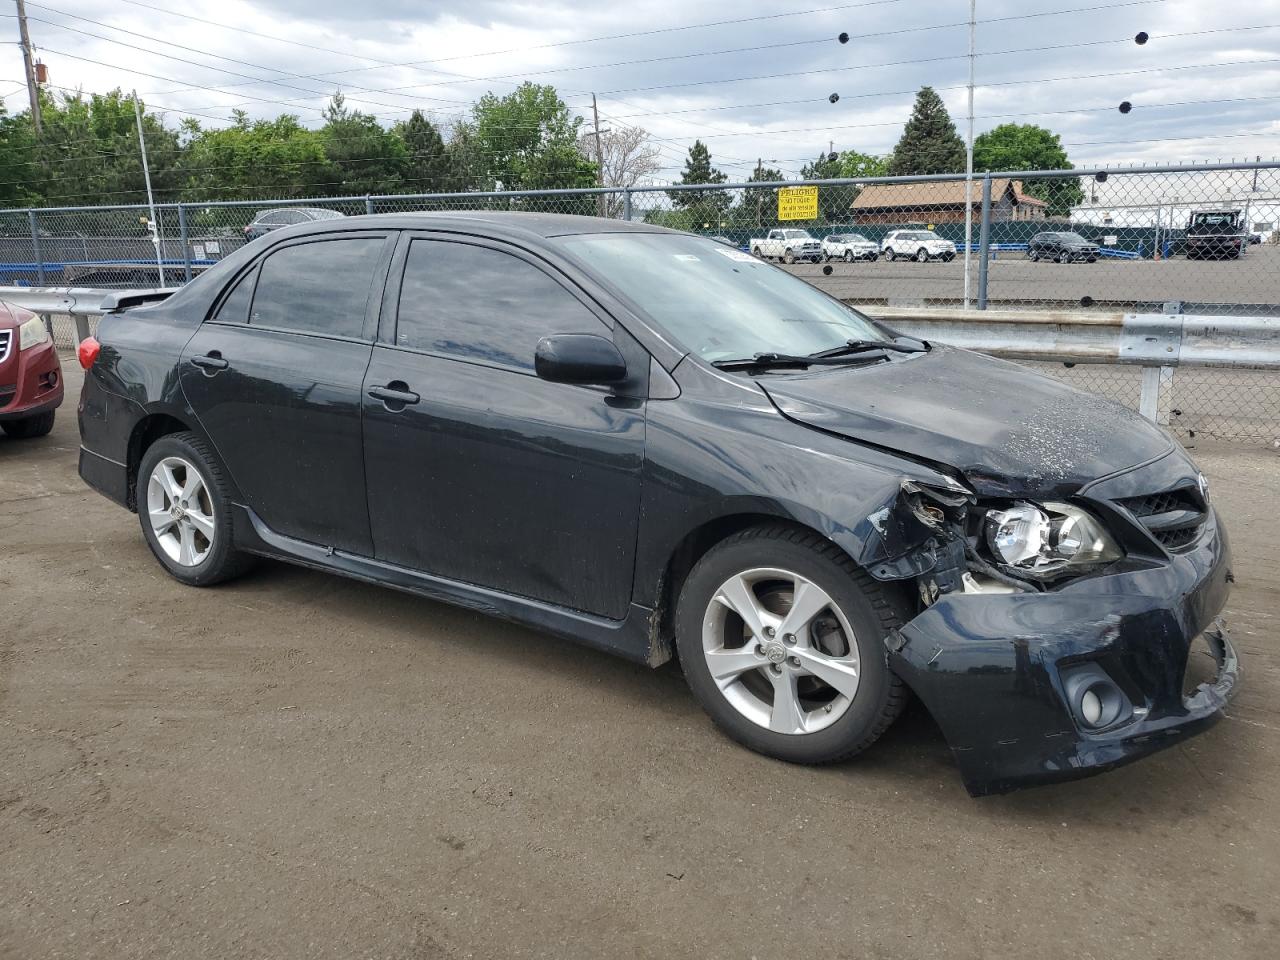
point(1093, 697)
point(1091, 708)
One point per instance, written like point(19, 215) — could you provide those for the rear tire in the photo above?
point(788, 256)
point(848, 256)
point(763, 693)
point(922, 255)
point(184, 506)
point(1064, 257)
point(28, 428)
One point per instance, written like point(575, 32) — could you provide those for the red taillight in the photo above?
point(88, 352)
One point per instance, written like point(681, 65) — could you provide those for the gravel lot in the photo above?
point(295, 765)
point(1014, 280)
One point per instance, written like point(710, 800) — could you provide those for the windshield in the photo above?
point(720, 303)
point(1216, 219)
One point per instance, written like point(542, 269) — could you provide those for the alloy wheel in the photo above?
point(180, 511)
point(781, 651)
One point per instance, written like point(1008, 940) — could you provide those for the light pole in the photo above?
point(968, 163)
point(154, 224)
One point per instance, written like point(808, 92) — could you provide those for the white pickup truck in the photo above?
point(787, 246)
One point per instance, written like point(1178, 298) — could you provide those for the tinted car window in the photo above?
point(270, 218)
point(321, 287)
point(476, 303)
point(235, 306)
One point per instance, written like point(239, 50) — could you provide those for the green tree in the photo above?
point(88, 152)
point(760, 204)
point(853, 164)
point(18, 164)
point(706, 208)
point(426, 167)
point(1025, 146)
point(929, 142)
point(526, 140)
point(833, 202)
point(252, 160)
point(366, 157)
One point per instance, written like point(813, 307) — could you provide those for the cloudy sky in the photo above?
point(749, 81)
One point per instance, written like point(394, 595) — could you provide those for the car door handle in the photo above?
point(395, 395)
point(210, 361)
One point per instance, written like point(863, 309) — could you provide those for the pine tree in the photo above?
point(929, 141)
point(427, 169)
point(705, 208)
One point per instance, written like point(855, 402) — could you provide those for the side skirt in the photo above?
point(634, 638)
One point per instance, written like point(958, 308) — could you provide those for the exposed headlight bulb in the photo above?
point(1041, 540)
point(1019, 535)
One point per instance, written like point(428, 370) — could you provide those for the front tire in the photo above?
point(184, 506)
point(788, 256)
point(781, 640)
point(1064, 257)
point(28, 428)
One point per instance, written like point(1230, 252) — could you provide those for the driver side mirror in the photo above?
point(581, 358)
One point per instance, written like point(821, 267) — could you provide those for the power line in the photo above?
point(544, 46)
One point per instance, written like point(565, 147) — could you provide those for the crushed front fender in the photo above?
point(994, 669)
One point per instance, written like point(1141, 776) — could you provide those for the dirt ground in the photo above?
point(296, 765)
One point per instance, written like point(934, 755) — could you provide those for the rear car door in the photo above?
point(481, 472)
point(275, 376)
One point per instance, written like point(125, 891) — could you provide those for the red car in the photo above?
point(30, 375)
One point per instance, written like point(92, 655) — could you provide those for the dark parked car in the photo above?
point(30, 374)
point(1216, 235)
point(267, 220)
point(1062, 247)
point(647, 442)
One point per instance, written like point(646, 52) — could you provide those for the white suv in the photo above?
point(919, 245)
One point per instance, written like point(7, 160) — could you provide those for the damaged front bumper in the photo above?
point(1003, 674)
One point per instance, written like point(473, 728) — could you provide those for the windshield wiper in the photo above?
point(769, 361)
point(867, 346)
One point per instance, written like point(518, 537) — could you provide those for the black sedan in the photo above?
point(655, 445)
point(265, 221)
point(1062, 247)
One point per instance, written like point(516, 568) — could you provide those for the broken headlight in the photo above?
point(1045, 540)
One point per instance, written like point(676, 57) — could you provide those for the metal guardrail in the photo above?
point(79, 303)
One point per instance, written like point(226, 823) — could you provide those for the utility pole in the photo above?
point(759, 169)
point(595, 116)
point(968, 164)
point(153, 223)
point(29, 66)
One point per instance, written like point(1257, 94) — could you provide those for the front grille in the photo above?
point(6, 341)
point(1173, 517)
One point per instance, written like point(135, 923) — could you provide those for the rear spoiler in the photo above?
point(119, 300)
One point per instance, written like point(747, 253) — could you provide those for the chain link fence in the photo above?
point(1183, 240)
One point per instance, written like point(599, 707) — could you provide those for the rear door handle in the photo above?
point(395, 395)
point(210, 361)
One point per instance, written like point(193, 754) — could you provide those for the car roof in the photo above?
point(497, 222)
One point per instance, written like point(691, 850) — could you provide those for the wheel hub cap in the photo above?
point(780, 651)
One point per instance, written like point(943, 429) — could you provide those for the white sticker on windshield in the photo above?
point(687, 256)
point(740, 255)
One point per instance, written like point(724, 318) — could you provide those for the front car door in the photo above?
point(479, 471)
point(275, 375)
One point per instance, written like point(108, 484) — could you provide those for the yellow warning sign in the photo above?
point(798, 203)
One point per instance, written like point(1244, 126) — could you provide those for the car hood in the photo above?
point(1008, 430)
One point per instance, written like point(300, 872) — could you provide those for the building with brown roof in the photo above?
point(942, 202)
